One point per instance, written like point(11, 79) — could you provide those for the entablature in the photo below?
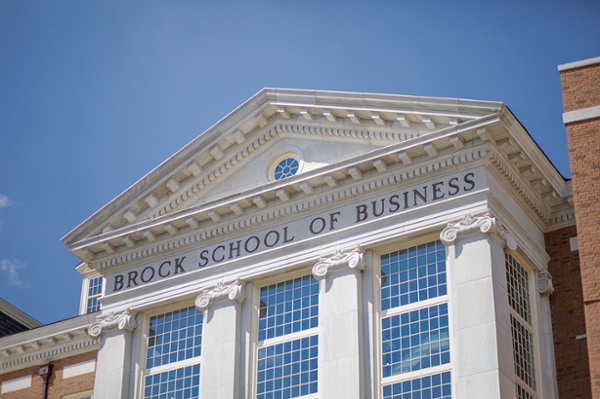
point(448, 148)
point(50, 342)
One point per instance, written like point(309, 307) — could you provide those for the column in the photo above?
point(340, 335)
point(220, 340)
point(482, 353)
point(548, 386)
point(114, 357)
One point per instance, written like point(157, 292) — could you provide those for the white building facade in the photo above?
point(331, 245)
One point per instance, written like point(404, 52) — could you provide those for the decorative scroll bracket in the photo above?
point(486, 223)
point(123, 321)
point(544, 283)
point(234, 291)
point(352, 258)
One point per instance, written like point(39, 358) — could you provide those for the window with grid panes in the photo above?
point(288, 340)
point(414, 327)
point(94, 294)
point(517, 284)
point(174, 343)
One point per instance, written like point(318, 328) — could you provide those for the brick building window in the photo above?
point(517, 279)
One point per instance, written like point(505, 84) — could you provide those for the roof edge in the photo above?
point(579, 64)
point(260, 100)
point(18, 315)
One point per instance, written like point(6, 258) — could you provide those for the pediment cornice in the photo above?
point(199, 164)
point(446, 149)
point(322, 181)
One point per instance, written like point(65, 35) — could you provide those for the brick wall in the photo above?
point(568, 319)
point(581, 87)
point(581, 90)
point(57, 386)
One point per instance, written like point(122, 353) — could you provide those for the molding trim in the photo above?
point(325, 199)
point(544, 283)
point(33, 347)
point(581, 114)
point(486, 224)
point(543, 211)
point(353, 259)
point(234, 291)
point(194, 187)
point(123, 321)
point(18, 315)
point(578, 64)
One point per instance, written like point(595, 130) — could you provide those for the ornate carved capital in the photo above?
point(486, 223)
point(544, 283)
point(123, 321)
point(234, 291)
point(352, 258)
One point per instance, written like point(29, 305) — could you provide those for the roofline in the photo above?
point(18, 315)
point(579, 64)
point(260, 100)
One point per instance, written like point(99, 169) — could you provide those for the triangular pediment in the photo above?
point(334, 136)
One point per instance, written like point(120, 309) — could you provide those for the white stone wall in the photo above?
point(349, 315)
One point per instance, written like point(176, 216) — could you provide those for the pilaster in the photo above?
point(547, 364)
point(221, 339)
point(482, 354)
point(340, 339)
point(114, 357)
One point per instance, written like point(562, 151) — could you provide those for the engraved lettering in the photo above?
point(361, 213)
point(160, 272)
point(437, 191)
point(145, 280)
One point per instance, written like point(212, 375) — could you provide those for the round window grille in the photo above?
point(286, 168)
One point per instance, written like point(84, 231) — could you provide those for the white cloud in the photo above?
point(10, 269)
point(4, 201)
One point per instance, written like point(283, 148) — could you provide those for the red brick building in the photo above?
point(56, 361)
point(581, 97)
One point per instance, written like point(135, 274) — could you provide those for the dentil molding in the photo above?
point(352, 259)
point(123, 321)
point(234, 291)
point(486, 224)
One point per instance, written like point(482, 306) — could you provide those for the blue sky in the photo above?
point(93, 95)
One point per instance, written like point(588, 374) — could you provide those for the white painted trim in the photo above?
point(16, 384)
point(579, 64)
point(74, 370)
point(79, 395)
point(581, 114)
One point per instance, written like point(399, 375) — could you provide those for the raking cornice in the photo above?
point(259, 110)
